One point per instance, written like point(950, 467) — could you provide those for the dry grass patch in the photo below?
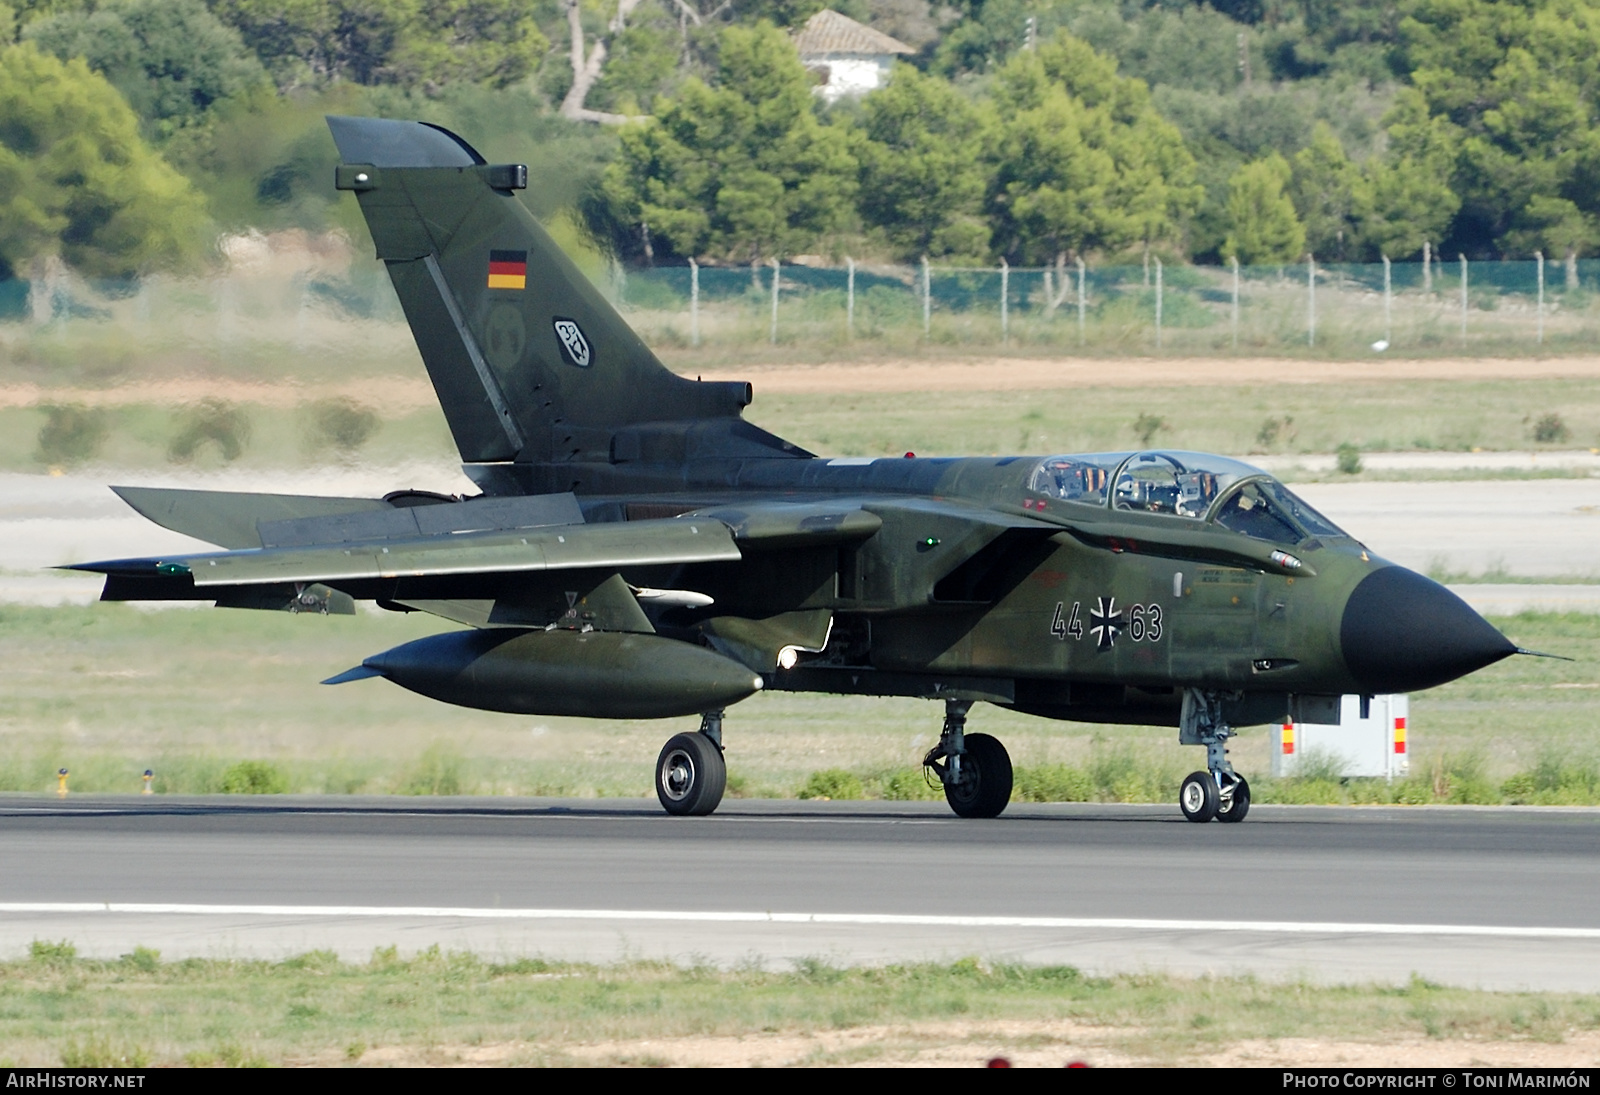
point(457, 1009)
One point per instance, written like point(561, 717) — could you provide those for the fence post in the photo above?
point(1463, 259)
point(1311, 299)
point(1388, 304)
point(776, 272)
point(694, 303)
point(927, 297)
point(1005, 292)
point(1158, 304)
point(850, 298)
point(1427, 267)
point(1538, 257)
point(1083, 300)
point(1233, 260)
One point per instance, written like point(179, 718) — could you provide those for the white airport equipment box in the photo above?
point(1370, 746)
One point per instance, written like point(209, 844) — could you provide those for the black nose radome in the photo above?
point(1402, 632)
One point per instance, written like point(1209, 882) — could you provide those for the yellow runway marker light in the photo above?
point(61, 783)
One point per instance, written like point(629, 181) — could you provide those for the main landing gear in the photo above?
point(1219, 792)
point(691, 774)
point(974, 768)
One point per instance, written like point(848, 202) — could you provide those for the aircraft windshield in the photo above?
point(1183, 484)
point(1267, 510)
point(1078, 478)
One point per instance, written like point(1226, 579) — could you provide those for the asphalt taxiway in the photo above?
point(1495, 898)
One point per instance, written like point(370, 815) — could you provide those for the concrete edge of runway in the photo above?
point(1319, 954)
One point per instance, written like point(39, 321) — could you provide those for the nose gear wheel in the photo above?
point(974, 768)
point(1198, 797)
point(1219, 792)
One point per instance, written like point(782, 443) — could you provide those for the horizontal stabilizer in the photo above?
point(359, 673)
point(230, 518)
point(413, 522)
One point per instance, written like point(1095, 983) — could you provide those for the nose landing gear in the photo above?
point(1219, 792)
point(974, 768)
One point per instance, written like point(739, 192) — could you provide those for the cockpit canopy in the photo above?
point(1192, 485)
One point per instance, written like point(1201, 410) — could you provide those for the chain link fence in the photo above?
point(1404, 308)
point(1307, 309)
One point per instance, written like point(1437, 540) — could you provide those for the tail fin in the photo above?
point(529, 361)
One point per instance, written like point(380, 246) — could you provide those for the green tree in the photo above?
point(76, 179)
point(494, 42)
point(1359, 38)
point(1388, 206)
point(922, 177)
point(428, 42)
point(644, 58)
point(742, 170)
point(1554, 226)
point(1412, 197)
point(1328, 190)
point(1262, 222)
point(1513, 87)
point(1082, 158)
point(783, 13)
point(171, 59)
point(1404, 203)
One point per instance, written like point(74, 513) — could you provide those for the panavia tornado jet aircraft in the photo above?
point(640, 550)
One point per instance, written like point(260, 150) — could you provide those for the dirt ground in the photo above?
point(1039, 1044)
point(392, 396)
point(1032, 374)
point(404, 394)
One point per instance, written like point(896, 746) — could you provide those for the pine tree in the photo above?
point(743, 170)
point(1261, 218)
point(76, 179)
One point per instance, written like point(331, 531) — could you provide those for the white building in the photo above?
point(848, 58)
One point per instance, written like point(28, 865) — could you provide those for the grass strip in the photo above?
point(219, 702)
point(57, 1008)
point(227, 429)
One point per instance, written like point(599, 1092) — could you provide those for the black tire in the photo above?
point(1239, 805)
point(1198, 797)
point(985, 785)
point(690, 775)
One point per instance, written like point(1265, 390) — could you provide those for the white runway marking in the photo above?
point(1273, 927)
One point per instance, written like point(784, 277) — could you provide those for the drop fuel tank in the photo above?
point(591, 674)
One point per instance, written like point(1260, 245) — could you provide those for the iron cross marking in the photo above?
point(1106, 623)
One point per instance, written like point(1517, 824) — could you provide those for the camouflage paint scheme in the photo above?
point(620, 499)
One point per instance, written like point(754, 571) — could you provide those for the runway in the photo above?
point(1491, 898)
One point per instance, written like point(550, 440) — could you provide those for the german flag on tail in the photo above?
point(508, 269)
